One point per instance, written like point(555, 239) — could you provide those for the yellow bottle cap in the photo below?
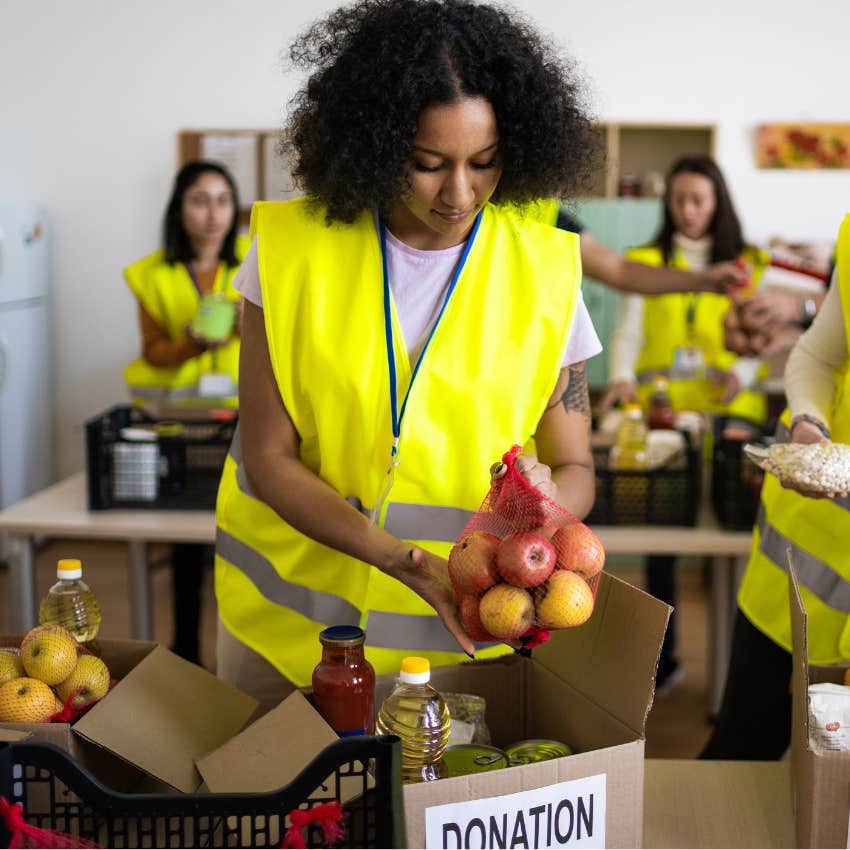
point(415, 664)
point(69, 568)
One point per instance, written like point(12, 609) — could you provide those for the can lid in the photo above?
point(342, 636)
point(415, 670)
point(69, 568)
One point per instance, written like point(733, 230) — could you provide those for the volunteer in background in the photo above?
point(681, 336)
point(755, 716)
point(396, 274)
point(200, 254)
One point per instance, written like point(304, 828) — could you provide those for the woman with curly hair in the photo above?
point(405, 323)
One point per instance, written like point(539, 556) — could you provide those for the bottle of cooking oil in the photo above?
point(629, 450)
point(419, 716)
point(70, 603)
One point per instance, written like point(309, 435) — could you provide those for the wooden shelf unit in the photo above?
point(638, 148)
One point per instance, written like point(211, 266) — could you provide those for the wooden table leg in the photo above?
point(726, 576)
point(141, 622)
point(23, 604)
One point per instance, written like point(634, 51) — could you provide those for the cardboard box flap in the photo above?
point(165, 715)
point(613, 657)
point(12, 736)
point(254, 762)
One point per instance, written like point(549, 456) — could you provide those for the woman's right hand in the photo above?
point(427, 575)
point(619, 391)
point(808, 433)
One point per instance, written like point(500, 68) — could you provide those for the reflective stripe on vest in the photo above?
point(813, 574)
point(313, 604)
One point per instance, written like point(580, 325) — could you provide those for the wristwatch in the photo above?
point(808, 309)
point(812, 420)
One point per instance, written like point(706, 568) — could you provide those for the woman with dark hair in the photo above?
point(680, 337)
point(199, 257)
point(401, 331)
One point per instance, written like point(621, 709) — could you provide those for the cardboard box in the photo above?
point(591, 688)
point(162, 715)
point(820, 778)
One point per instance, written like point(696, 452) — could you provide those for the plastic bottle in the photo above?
point(660, 407)
point(344, 682)
point(419, 716)
point(629, 450)
point(70, 603)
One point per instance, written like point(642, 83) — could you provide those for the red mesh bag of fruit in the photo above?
point(523, 565)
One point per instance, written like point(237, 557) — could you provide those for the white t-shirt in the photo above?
point(419, 280)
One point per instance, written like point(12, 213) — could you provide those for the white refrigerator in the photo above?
point(26, 387)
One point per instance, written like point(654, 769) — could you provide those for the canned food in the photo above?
point(536, 749)
point(463, 759)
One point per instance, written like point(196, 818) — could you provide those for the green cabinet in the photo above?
point(619, 223)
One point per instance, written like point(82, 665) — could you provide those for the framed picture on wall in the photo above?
point(803, 145)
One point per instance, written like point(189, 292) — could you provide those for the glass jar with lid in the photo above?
point(344, 682)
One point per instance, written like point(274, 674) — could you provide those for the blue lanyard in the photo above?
point(396, 414)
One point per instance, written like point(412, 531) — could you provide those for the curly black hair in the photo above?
point(378, 63)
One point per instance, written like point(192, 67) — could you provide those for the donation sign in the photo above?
point(568, 814)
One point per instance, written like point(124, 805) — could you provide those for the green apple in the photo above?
point(11, 666)
point(49, 653)
point(89, 682)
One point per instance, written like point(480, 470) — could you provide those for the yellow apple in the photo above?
point(11, 666)
point(49, 653)
point(89, 682)
point(27, 700)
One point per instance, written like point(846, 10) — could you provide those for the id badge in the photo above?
point(689, 360)
point(216, 385)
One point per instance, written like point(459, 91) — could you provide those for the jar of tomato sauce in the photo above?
point(344, 682)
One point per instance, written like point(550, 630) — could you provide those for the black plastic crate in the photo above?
point(735, 480)
point(59, 795)
point(180, 471)
point(668, 495)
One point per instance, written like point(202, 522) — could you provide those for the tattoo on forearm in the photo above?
point(576, 397)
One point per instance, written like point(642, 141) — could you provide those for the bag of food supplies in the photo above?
point(523, 565)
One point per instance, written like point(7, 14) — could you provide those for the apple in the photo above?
point(472, 563)
point(49, 653)
point(27, 700)
point(471, 619)
point(565, 601)
point(89, 682)
point(579, 550)
point(11, 666)
point(525, 559)
point(507, 612)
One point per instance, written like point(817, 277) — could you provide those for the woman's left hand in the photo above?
point(537, 474)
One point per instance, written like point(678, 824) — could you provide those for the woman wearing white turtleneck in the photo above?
point(681, 336)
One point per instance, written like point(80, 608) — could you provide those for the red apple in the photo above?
point(526, 559)
point(472, 563)
point(579, 550)
point(471, 619)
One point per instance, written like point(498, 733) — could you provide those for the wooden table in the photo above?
point(60, 511)
point(717, 804)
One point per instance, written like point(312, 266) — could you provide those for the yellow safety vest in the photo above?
point(816, 531)
point(482, 385)
point(170, 297)
point(665, 330)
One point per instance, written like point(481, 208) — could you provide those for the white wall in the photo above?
point(94, 92)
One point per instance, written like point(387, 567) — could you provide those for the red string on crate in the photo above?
point(327, 815)
point(26, 835)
